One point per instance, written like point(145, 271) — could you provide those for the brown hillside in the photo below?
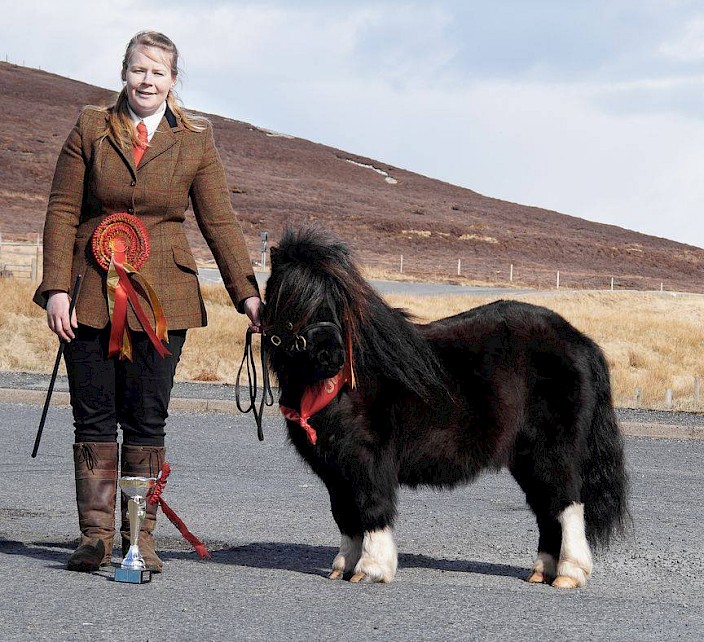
point(277, 180)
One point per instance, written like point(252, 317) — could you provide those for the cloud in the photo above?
point(687, 46)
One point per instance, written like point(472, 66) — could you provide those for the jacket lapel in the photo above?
point(164, 138)
point(126, 157)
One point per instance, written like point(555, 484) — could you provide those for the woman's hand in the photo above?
point(253, 309)
point(57, 316)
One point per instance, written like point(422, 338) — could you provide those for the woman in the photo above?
point(122, 184)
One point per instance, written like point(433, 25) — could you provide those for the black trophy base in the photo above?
point(132, 576)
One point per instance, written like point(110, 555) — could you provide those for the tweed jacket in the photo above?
point(94, 178)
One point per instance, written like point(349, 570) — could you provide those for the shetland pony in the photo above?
point(506, 384)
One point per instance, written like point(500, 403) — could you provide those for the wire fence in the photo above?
point(22, 258)
point(494, 273)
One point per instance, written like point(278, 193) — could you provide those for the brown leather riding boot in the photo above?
point(142, 461)
point(96, 484)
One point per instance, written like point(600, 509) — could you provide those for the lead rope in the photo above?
point(267, 396)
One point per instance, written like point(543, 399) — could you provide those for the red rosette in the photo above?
point(121, 233)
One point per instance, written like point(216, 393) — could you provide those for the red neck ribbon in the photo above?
point(155, 497)
point(318, 396)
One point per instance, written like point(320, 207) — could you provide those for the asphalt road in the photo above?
point(211, 275)
point(266, 520)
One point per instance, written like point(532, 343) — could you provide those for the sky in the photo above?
point(593, 108)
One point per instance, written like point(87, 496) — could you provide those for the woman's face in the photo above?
point(148, 77)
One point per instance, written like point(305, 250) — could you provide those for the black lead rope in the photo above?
point(267, 396)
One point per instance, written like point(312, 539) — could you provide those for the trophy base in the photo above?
point(132, 576)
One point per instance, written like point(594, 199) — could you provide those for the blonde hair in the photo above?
point(120, 125)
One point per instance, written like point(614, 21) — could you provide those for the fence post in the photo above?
point(697, 389)
point(612, 283)
point(668, 398)
point(558, 279)
point(401, 264)
point(510, 273)
point(637, 396)
point(459, 267)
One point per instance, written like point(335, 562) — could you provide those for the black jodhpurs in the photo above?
point(107, 392)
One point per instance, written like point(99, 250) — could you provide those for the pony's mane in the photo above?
point(313, 268)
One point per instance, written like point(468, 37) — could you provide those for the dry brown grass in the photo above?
point(652, 341)
point(211, 354)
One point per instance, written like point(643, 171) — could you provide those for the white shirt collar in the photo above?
point(151, 122)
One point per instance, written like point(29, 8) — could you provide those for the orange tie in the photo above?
point(138, 150)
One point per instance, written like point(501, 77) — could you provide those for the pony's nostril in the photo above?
point(324, 357)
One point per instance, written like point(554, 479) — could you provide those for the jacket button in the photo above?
point(130, 210)
point(133, 183)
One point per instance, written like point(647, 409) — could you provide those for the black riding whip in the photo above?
point(72, 305)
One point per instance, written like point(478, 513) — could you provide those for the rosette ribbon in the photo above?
point(121, 246)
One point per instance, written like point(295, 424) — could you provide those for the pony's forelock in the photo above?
point(319, 269)
point(311, 268)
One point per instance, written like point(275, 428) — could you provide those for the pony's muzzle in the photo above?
point(330, 361)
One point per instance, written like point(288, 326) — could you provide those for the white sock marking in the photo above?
point(379, 556)
point(546, 565)
point(350, 552)
point(575, 556)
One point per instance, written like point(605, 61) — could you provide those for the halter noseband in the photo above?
point(297, 341)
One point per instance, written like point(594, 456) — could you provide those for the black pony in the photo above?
point(503, 385)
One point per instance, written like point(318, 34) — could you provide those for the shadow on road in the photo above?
point(55, 552)
point(316, 560)
point(299, 558)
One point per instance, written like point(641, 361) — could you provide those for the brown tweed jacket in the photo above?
point(94, 178)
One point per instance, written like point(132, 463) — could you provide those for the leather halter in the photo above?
point(292, 341)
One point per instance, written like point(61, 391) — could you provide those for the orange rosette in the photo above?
point(121, 246)
point(122, 233)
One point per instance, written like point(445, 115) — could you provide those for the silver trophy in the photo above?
point(132, 570)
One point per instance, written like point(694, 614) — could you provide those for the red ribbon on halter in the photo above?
point(318, 396)
point(154, 497)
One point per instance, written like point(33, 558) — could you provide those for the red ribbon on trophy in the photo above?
point(154, 497)
point(121, 246)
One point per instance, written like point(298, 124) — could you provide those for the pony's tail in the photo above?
point(604, 477)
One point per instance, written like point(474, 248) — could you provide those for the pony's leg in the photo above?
point(575, 563)
point(367, 508)
point(564, 559)
point(379, 558)
point(545, 566)
point(348, 556)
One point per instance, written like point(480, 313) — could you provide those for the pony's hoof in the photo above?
point(358, 577)
point(538, 578)
point(335, 575)
point(565, 582)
